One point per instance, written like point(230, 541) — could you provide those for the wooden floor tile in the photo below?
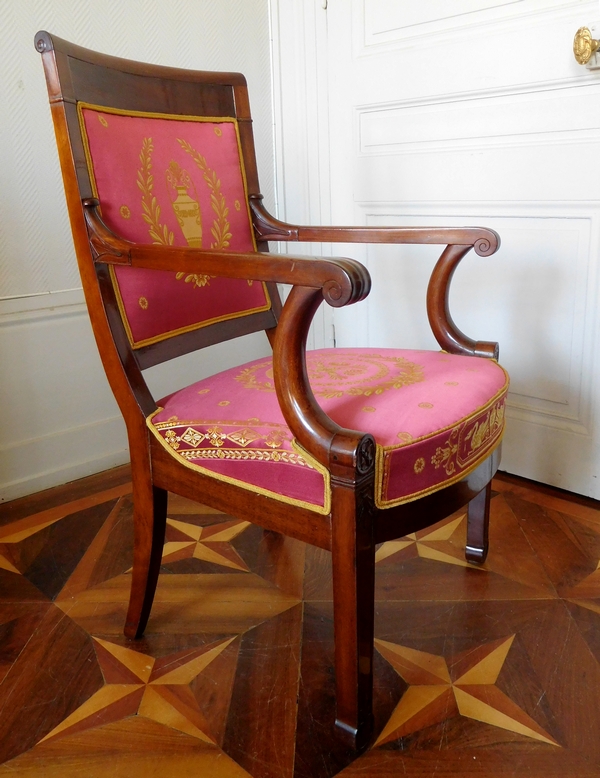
point(134, 748)
point(261, 731)
point(491, 671)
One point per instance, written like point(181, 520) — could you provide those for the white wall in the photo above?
point(59, 420)
point(301, 106)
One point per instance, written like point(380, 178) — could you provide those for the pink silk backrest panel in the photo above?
point(178, 181)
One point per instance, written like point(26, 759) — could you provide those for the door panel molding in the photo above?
point(478, 120)
point(544, 244)
point(396, 24)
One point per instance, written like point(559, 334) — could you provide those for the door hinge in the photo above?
point(324, 4)
point(333, 335)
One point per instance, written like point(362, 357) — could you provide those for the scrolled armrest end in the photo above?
point(487, 244)
point(353, 286)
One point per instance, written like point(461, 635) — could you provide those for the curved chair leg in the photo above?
point(478, 519)
point(353, 558)
point(149, 519)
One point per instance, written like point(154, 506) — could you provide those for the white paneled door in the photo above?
point(474, 112)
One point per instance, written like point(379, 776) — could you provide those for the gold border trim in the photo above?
point(164, 425)
point(380, 460)
point(467, 419)
point(316, 465)
point(379, 503)
point(324, 510)
point(172, 117)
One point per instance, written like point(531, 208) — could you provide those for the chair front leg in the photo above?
point(478, 520)
point(149, 521)
point(353, 557)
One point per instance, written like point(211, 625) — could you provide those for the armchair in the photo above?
point(340, 448)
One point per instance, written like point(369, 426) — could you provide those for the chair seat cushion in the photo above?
point(434, 416)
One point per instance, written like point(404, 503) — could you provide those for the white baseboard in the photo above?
point(58, 418)
point(40, 463)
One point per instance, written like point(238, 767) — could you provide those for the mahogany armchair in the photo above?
point(283, 442)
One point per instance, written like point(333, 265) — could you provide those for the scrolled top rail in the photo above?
point(43, 41)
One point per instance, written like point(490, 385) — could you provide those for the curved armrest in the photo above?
point(267, 227)
point(340, 281)
point(458, 240)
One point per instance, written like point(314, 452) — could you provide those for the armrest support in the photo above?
point(446, 332)
point(333, 446)
point(340, 281)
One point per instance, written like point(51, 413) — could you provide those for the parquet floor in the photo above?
point(492, 672)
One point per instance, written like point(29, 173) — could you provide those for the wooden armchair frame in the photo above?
point(354, 525)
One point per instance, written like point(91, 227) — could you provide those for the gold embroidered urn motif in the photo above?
point(186, 205)
point(338, 375)
point(220, 229)
point(446, 456)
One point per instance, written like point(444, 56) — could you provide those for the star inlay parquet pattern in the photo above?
point(464, 685)
point(211, 544)
point(492, 671)
point(136, 683)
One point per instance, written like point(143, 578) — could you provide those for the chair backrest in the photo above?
point(170, 155)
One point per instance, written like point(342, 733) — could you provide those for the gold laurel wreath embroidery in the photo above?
point(245, 455)
point(159, 233)
point(403, 373)
point(220, 229)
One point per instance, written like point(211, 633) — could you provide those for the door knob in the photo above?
point(584, 46)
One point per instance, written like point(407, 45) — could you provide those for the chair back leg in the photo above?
point(478, 520)
point(149, 520)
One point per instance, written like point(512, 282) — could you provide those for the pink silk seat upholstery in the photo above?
point(434, 417)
